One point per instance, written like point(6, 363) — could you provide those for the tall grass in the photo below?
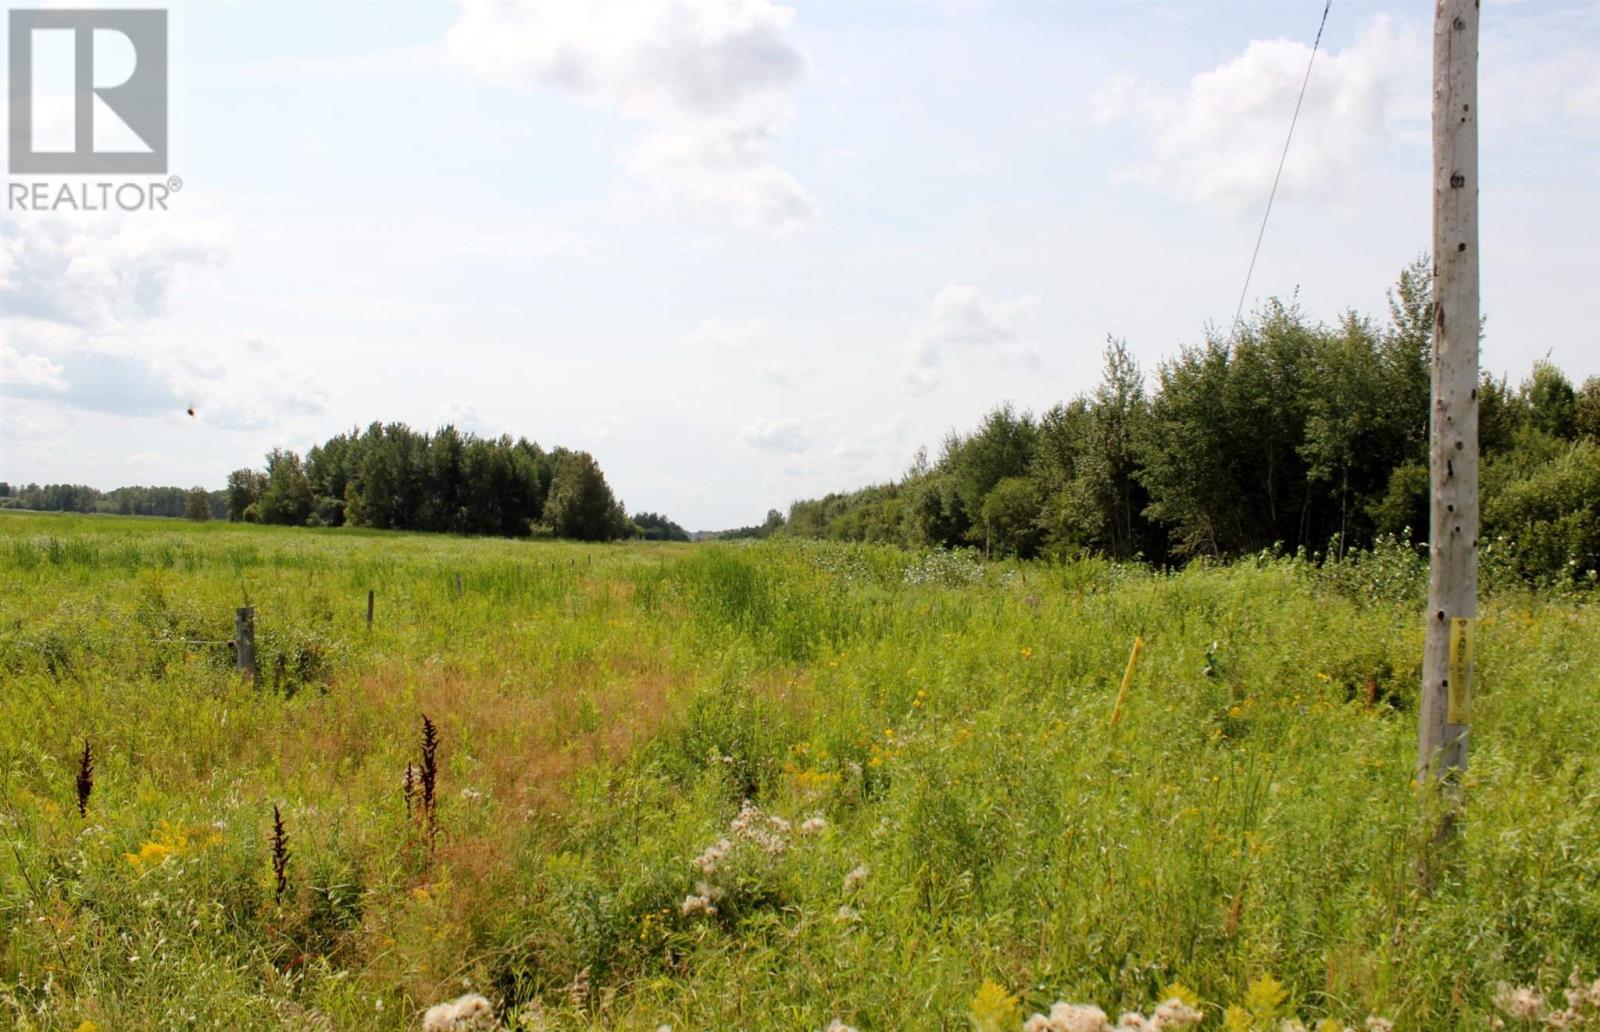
point(607, 710)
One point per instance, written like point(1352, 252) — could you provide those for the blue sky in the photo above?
point(746, 251)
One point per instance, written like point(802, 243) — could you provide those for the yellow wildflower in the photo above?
point(993, 1008)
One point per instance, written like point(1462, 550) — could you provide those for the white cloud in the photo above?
point(1217, 140)
point(99, 271)
point(28, 371)
point(720, 335)
point(963, 325)
point(712, 80)
point(788, 436)
point(464, 416)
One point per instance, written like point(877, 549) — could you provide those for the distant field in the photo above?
point(950, 831)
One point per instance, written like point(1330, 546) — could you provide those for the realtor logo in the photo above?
point(88, 91)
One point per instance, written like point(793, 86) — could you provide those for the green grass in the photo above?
point(605, 709)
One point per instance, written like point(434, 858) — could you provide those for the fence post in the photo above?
point(458, 586)
point(244, 640)
point(370, 595)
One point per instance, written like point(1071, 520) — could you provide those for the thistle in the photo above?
point(85, 778)
point(280, 855)
point(430, 774)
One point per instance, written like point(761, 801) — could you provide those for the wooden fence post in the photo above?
point(370, 596)
point(244, 640)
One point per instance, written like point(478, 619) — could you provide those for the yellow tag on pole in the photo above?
point(1458, 707)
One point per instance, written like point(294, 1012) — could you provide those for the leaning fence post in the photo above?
point(370, 594)
point(244, 640)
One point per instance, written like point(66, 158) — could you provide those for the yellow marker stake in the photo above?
point(1127, 679)
point(1458, 699)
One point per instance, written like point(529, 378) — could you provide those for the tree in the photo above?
point(244, 489)
point(1586, 410)
point(197, 505)
point(581, 505)
point(656, 527)
point(1010, 517)
point(286, 496)
point(1552, 403)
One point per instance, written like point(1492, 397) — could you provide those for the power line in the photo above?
point(1282, 158)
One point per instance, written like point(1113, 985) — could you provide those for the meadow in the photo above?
point(769, 785)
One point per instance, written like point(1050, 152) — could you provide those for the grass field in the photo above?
point(949, 831)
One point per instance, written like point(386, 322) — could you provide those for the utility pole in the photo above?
point(1453, 437)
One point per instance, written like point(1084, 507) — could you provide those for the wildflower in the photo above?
point(1377, 1024)
point(856, 878)
point(992, 1008)
point(707, 862)
point(471, 795)
point(1523, 1003)
point(696, 904)
point(813, 826)
point(464, 1012)
point(1175, 1013)
point(838, 1026)
point(1074, 1017)
point(1129, 1021)
point(847, 914)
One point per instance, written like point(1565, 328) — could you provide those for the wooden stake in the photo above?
point(1453, 447)
point(371, 595)
point(1127, 679)
point(244, 640)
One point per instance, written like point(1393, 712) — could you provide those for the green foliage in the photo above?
point(580, 505)
point(1287, 436)
point(1548, 518)
point(653, 526)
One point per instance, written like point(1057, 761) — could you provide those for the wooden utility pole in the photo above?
point(1453, 439)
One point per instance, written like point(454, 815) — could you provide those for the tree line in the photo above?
point(1285, 434)
point(195, 503)
point(392, 477)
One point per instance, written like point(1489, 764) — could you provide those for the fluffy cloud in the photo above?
point(99, 271)
point(787, 436)
point(719, 335)
point(711, 79)
point(961, 326)
point(84, 299)
point(1217, 140)
point(33, 373)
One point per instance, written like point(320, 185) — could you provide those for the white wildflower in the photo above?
point(847, 915)
point(1175, 1014)
point(1523, 1003)
point(1074, 1017)
point(697, 904)
point(464, 1012)
point(838, 1026)
point(856, 878)
point(813, 826)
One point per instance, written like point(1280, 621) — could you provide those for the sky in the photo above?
point(745, 251)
